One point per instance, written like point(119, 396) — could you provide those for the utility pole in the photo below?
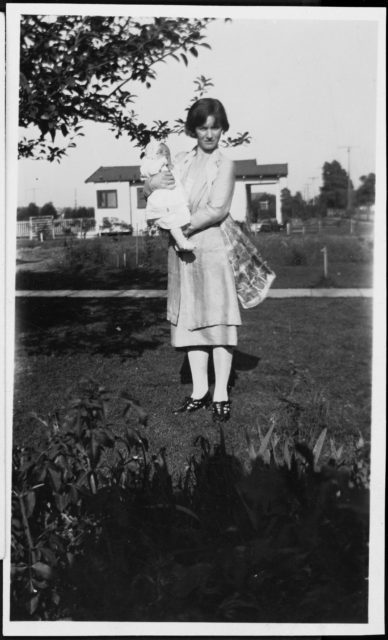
point(313, 189)
point(75, 198)
point(34, 190)
point(349, 186)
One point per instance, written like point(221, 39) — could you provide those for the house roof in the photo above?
point(244, 169)
point(116, 174)
point(250, 169)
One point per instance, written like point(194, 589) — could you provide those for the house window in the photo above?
point(141, 199)
point(264, 205)
point(107, 199)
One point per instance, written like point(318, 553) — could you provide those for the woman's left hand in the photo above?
point(162, 180)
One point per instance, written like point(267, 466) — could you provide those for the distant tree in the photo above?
point(294, 206)
point(64, 212)
point(78, 212)
point(84, 212)
point(365, 193)
point(311, 210)
point(22, 213)
point(334, 192)
point(286, 203)
point(48, 209)
point(33, 210)
point(298, 205)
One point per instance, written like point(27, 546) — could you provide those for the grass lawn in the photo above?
point(316, 353)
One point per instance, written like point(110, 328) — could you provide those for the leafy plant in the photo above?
point(59, 493)
point(100, 532)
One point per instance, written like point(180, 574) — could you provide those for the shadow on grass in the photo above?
point(95, 326)
point(91, 278)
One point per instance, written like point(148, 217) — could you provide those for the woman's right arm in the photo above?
point(161, 180)
point(219, 200)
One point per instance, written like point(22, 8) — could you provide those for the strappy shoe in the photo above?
point(192, 404)
point(221, 411)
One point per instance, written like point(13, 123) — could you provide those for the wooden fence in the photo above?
point(45, 228)
point(329, 225)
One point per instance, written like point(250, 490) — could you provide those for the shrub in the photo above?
point(83, 256)
point(99, 532)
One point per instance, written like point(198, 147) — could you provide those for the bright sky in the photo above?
point(302, 88)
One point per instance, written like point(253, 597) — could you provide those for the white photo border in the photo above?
point(375, 626)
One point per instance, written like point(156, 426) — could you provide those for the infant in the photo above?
point(166, 207)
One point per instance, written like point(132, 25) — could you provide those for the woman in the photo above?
point(202, 303)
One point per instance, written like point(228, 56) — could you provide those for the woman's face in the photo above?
point(208, 135)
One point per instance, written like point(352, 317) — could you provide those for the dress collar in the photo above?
point(214, 156)
point(211, 165)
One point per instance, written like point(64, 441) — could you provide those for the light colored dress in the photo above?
point(202, 303)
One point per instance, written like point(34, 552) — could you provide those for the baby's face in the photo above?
point(163, 152)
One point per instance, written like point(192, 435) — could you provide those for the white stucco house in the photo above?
point(117, 192)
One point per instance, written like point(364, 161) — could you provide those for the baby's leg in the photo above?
point(182, 243)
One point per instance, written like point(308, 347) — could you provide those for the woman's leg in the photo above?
point(198, 360)
point(222, 358)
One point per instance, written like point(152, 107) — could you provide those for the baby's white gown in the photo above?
point(168, 207)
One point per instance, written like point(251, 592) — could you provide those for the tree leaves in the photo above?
point(365, 193)
point(29, 503)
point(75, 68)
point(33, 604)
point(43, 570)
point(239, 139)
point(56, 478)
point(68, 64)
point(335, 185)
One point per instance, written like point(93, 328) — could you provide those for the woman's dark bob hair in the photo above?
point(201, 110)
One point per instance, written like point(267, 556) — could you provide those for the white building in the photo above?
point(118, 192)
point(253, 179)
